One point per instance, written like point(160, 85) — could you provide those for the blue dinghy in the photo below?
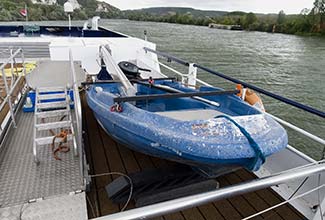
point(209, 132)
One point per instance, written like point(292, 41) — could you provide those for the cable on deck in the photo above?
point(120, 174)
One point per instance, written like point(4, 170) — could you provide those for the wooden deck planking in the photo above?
point(239, 203)
point(226, 209)
point(271, 198)
point(99, 166)
point(209, 211)
point(253, 199)
point(92, 198)
point(105, 155)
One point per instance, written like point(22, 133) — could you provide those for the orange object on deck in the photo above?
point(239, 87)
point(250, 97)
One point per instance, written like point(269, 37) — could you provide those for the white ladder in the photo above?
point(58, 111)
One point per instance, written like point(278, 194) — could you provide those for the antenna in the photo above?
point(68, 8)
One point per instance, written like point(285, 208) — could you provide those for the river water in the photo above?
point(291, 66)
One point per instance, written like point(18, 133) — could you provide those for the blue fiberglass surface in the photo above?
point(213, 141)
point(229, 104)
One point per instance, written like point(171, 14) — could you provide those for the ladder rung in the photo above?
point(51, 96)
point(46, 105)
point(55, 113)
point(49, 140)
point(53, 125)
point(51, 89)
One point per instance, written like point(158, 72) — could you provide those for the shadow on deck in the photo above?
point(105, 155)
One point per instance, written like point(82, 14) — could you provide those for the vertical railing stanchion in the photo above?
point(192, 75)
point(12, 70)
point(23, 62)
point(10, 88)
point(9, 97)
point(78, 113)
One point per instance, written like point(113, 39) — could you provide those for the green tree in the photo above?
point(250, 19)
point(319, 14)
point(227, 20)
point(5, 15)
point(281, 17)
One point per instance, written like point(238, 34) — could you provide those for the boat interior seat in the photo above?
point(190, 115)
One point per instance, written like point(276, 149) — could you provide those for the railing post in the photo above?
point(78, 113)
point(9, 97)
point(318, 214)
point(23, 62)
point(12, 69)
point(192, 74)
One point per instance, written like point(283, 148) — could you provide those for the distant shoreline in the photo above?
point(305, 34)
point(310, 22)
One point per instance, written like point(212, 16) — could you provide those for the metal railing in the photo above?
point(297, 173)
point(175, 205)
point(246, 85)
point(15, 80)
point(275, 96)
point(78, 113)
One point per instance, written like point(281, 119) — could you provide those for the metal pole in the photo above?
point(145, 35)
point(257, 89)
point(9, 98)
point(9, 59)
point(172, 95)
point(265, 92)
point(12, 69)
point(171, 69)
point(181, 74)
point(78, 113)
point(192, 75)
point(26, 13)
point(163, 208)
point(112, 67)
point(69, 16)
point(169, 57)
point(23, 61)
point(297, 129)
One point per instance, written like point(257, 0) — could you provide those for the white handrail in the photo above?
point(171, 69)
point(78, 112)
point(162, 208)
point(10, 89)
point(297, 129)
point(182, 74)
point(10, 58)
point(284, 202)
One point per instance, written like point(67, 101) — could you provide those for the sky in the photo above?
point(257, 6)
